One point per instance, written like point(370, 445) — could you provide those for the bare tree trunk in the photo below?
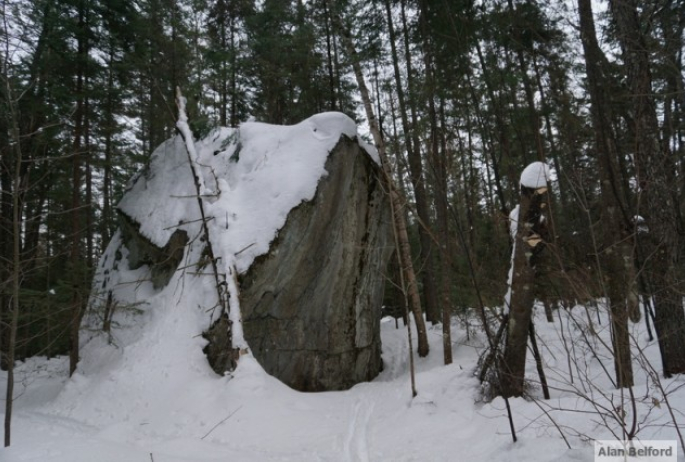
point(89, 209)
point(538, 360)
point(6, 214)
point(332, 86)
point(528, 242)
point(75, 252)
point(446, 250)
point(16, 275)
point(656, 180)
point(28, 122)
point(418, 183)
point(405, 312)
point(504, 142)
point(545, 109)
point(107, 169)
point(438, 157)
point(6, 246)
point(395, 200)
point(618, 271)
point(227, 299)
point(549, 314)
point(16, 259)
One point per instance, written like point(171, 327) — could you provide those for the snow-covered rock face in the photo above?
point(257, 174)
point(298, 211)
point(311, 307)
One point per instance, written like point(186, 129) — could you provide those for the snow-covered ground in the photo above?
point(172, 408)
point(145, 391)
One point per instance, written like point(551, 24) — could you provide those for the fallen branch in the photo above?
point(220, 279)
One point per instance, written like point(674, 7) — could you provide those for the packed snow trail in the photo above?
point(356, 442)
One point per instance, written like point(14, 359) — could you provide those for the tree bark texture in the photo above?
point(418, 182)
point(617, 256)
point(527, 245)
point(75, 252)
point(658, 191)
point(15, 273)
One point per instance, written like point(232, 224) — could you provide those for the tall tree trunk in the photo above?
point(528, 242)
point(446, 250)
point(6, 244)
point(617, 257)
point(438, 158)
point(504, 142)
point(434, 154)
point(672, 21)
point(88, 170)
point(546, 110)
point(33, 222)
point(107, 219)
point(656, 180)
point(234, 76)
point(332, 86)
point(15, 273)
point(76, 231)
point(418, 184)
point(223, 85)
point(6, 188)
point(395, 199)
point(28, 120)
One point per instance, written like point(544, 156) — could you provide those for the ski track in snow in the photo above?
point(356, 442)
point(395, 364)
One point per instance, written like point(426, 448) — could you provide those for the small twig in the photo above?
point(186, 223)
point(511, 419)
point(189, 196)
point(554, 422)
point(214, 427)
point(244, 249)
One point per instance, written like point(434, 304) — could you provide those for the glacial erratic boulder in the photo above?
point(298, 212)
point(311, 306)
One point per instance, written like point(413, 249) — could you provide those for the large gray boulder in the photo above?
point(311, 306)
point(310, 295)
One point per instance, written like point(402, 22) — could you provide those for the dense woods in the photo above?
point(460, 95)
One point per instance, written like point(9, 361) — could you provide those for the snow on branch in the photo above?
point(229, 277)
point(184, 128)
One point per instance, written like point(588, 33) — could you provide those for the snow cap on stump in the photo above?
point(536, 175)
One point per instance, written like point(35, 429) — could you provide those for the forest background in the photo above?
point(466, 94)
